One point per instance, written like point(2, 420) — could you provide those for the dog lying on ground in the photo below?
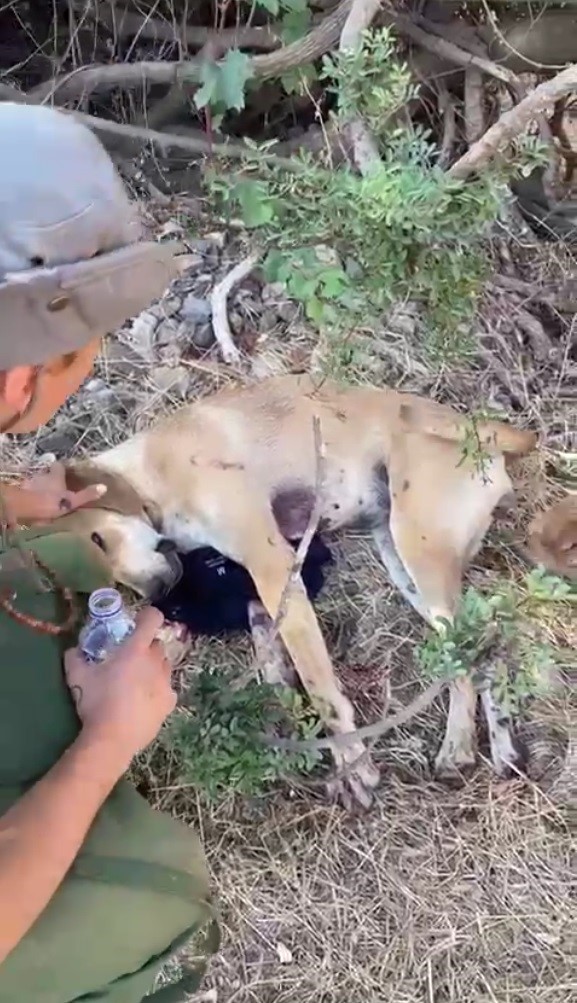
point(237, 471)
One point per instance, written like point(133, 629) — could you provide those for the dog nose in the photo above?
point(166, 547)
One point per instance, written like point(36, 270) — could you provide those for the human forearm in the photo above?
point(40, 836)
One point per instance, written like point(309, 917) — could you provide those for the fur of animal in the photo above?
point(237, 471)
point(552, 538)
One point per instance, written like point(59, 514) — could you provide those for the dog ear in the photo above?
point(120, 495)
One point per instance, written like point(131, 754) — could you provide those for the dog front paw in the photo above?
point(355, 779)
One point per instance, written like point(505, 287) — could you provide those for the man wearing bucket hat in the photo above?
point(96, 889)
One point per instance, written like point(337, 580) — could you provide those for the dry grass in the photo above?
point(437, 895)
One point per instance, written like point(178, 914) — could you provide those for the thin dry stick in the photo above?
point(513, 122)
point(116, 133)
point(218, 299)
point(311, 527)
point(375, 730)
point(127, 22)
point(365, 149)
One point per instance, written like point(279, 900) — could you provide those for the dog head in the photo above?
point(553, 538)
point(127, 528)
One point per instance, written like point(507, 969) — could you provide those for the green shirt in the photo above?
point(139, 887)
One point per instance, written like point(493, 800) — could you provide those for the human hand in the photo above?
point(124, 700)
point(44, 496)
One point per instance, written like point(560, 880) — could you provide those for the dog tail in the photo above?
point(440, 421)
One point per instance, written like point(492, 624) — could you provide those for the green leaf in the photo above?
point(255, 203)
point(208, 92)
point(272, 6)
point(295, 24)
point(235, 72)
point(223, 84)
point(315, 309)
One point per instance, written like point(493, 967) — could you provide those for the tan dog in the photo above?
point(237, 471)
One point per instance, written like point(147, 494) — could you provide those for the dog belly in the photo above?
point(349, 498)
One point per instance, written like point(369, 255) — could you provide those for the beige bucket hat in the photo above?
point(73, 265)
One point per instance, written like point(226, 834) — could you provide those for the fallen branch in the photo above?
point(375, 730)
point(514, 122)
point(131, 135)
point(85, 80)
point(218, 299)
point(474, 105)
point(80, 83)
point(365, 150)
point(450, 51)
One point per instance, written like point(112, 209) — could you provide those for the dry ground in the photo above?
point(437, 895)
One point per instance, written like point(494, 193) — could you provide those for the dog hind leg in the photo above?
point(434, 595)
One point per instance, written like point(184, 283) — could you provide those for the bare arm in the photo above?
point(42, 833)
point(122, 704)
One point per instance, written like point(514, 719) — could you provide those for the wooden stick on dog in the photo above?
point(376, 730)
point(311, 527)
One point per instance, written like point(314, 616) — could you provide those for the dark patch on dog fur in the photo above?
point(292, 509)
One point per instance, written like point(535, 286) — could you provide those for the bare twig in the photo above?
point(220, 293)
point(365, 150)
point(375, 730)
point(125, 22)
point(514, 121)
point(311, 527)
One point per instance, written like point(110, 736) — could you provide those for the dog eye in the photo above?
point(97, 539)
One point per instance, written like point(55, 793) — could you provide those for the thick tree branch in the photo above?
point(365, 151)
point(82, 82)
point(514, 122)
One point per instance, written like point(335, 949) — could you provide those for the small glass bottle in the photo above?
point(107, 627)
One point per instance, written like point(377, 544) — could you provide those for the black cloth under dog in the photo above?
point(213, 594)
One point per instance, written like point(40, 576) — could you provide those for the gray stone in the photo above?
point(171, 379)
point(268, 320)
point(167, 332)
point(203, 336)
point(121, 359)
point(273, 291)
point(169, 354)
point(59, 443)
point(353, 269)
point(288, 311)
point(142, 334)
point(195, 309)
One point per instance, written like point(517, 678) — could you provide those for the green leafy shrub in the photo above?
point(507, 626)
point(220, 738)
point(407, 231)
